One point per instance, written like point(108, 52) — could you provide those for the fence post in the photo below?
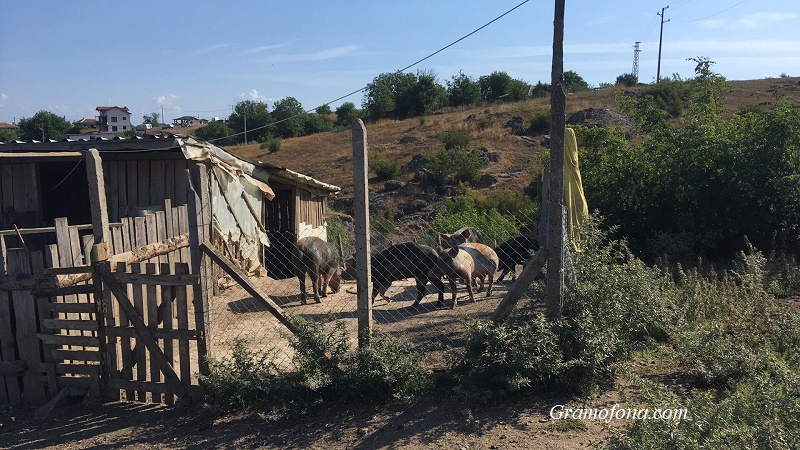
point(199, 213)
point(361, 219)
point(555, 236)
point(101, 250)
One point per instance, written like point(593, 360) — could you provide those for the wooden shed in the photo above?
point(258, 209)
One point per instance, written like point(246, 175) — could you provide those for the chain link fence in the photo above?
point(404, 306)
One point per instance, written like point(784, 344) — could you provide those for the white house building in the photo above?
point(113, 119)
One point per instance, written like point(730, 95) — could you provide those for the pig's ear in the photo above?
point(466, 233)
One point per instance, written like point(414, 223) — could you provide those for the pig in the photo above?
point(481, 264)
point(469, 233)
point(320, 260)
point(398, 262)
point(516, 250)
point(455, 263)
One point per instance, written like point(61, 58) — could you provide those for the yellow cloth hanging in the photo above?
point(574, 199)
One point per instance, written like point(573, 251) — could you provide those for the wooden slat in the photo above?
point(126, 354)
point(54, 292)
point(7, 177)
point(152, 324)
point(127, 234)
point(157, 356)
point(132, 175)
point(181, 182)
point(75, 382)
point(151, 232)
point(63, 339)
point(167, 310)
point(45, 313)
point(65, 324)
point(169, 181)
point(122, 188)
point(143, 174)
point(72, 308)
point(157, 182)
point(183, 229)
point(78, 369)
point(168, 227)
point(139, 353)
point(161, 279)
point(9, 388)
point(117, 245)
point(182, 309)
point(158, 333)
point(13, 368)
point(68, 270)
point(75, 355)
point(27, 345)
point(161, 232)
point(40, 230)
point(112, 189)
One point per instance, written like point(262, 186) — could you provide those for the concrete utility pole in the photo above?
point(660, 39)
point(555, 229)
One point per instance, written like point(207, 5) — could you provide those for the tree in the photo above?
point(258, 120)
point(463, 90)
point(517, 90)
point(323, 110)
point(346, 114)
point(289, 117)
point(574, 83)
point(218, 132)
point(389, 95)
point(427, 95)
point(151, 118)
point(43, 125)
point(541, 90)
point(9, 135)
point(494, 86)
point(627, 79)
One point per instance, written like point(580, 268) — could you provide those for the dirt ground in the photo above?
point(428, 424)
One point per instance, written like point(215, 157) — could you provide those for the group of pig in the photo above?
point(462, 258)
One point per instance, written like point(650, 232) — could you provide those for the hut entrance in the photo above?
point(64, 192)
point(280, 231)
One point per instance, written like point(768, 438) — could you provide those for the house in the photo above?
point(86, 123)
point(188, 121)
point(8, 126)
point(257, 208)
point(113, 119)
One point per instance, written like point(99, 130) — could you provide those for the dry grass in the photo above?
point(328, 156)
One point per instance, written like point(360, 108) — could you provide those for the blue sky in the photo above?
point(200, 58)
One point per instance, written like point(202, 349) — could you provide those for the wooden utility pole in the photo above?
point(555, 233)
point(361, 219)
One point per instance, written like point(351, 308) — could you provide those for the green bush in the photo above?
point(271, 143)
point(456, 165)
point(540, 121)
point(627, 79)
point(385, 168)
point(492, 225)
point(453, 138)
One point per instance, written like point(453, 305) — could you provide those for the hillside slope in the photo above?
point(328, 156)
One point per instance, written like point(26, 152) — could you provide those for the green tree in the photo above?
point(9, 135)
point(463, 90)
point(574, 82)
point(427, 95)
point(151, 118)
point(289, 117)
point(494, 86)
point(627, 79)
point(314, 123)
point(517, 90)
point(389, 95)
point(541, 90)
point(45, 125)
point(258, 120)
point(323, 110)
point(346, 114)
point(217, 132)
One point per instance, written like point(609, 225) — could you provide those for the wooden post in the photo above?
point(97, 197)
point(361, 219)
point(199, 215)
point(555, 236)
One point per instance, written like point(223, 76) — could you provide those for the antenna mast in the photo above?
point(636, 52)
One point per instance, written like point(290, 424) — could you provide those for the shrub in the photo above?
point(271, 143)
point(492, 225)
point(456, 165)
point(627, 79)
point(540, 122)
point(385, 168)
point(453, 138)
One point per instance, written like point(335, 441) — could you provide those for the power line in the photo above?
point(712, 15)
point(397, 71)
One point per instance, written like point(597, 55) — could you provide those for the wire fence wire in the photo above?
point(433, 328)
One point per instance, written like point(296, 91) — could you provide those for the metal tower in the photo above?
point(636, 52)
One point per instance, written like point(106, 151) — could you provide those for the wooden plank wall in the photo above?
point(132, 184)
point(19, 199)
point(55, 335)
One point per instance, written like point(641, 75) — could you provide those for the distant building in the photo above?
point(188, 121)
point(86, 123)
point(8, 126)
point(113, 119)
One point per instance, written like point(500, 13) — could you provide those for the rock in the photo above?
point(392, 185)
point(604, 118)
point(417, 161)
point(448, 191)
point(517, 125)
point(422, 176)
point(408, 139)
point(487, 180)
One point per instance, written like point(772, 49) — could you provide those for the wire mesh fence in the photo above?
point(413, 281)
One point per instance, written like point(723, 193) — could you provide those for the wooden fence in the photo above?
point(120, 328)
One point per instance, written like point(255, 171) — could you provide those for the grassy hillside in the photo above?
point(328, 156)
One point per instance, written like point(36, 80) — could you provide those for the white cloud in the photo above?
point(3, 98)
point(330, 53)
point(255, 96)
point(210, 49)
point(250, 51)
point(166, 100)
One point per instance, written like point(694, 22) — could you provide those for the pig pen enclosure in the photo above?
point(181, 250)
